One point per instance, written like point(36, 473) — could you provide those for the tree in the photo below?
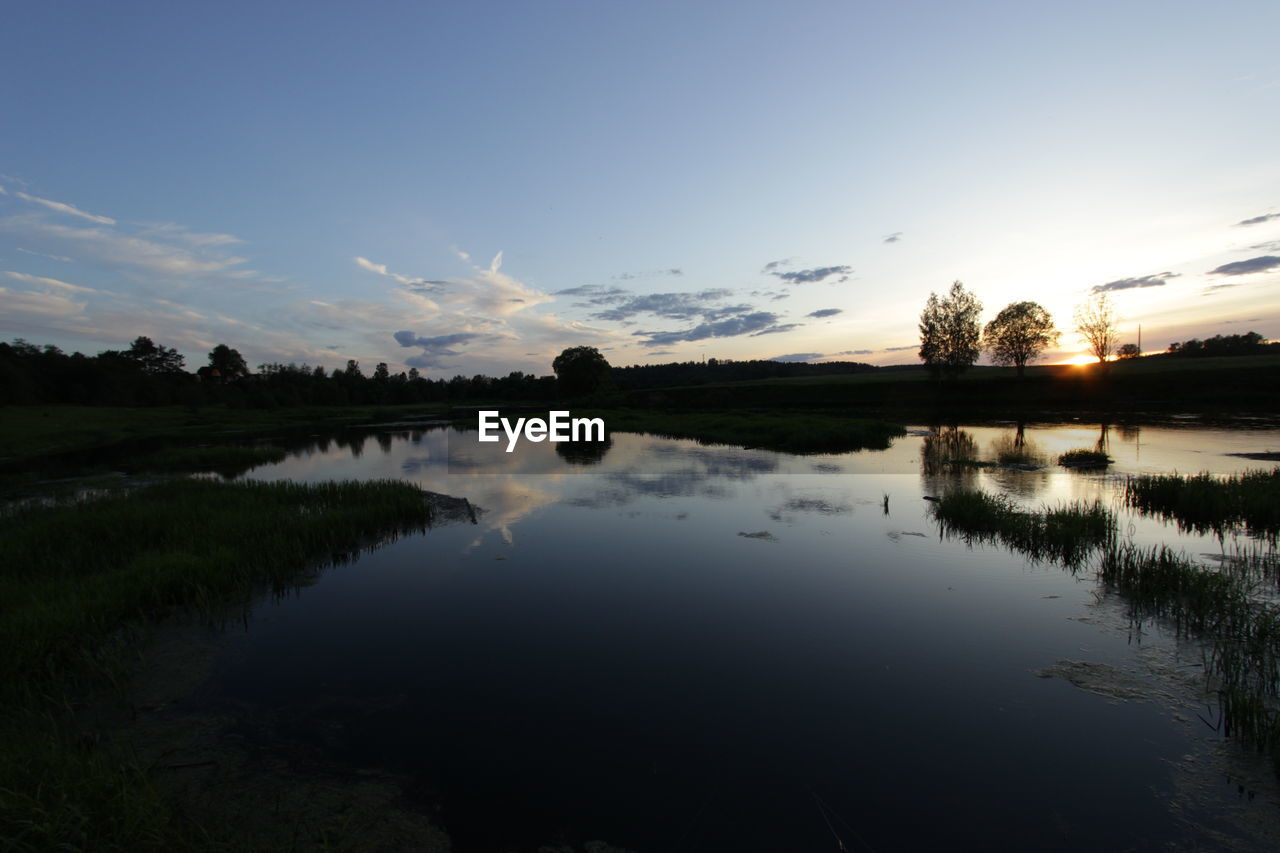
point(580, 371)
point(949, 332)
point(1019, 334)
point(228, 362)
point(1096, 325)
point(153, 359)
point(1129, 351)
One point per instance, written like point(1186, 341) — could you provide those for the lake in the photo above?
point(671, 646)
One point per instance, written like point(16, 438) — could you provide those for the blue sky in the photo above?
point(471, 187)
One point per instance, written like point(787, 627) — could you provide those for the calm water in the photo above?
point(605, 654)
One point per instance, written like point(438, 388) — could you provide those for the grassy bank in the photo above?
point(76, 575)
point(29, 433)
point(792, 433)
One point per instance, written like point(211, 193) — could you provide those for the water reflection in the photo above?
point(584, 452)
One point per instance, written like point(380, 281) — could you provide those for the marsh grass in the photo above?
point(1084, 458)
point(1203, 503)
point(1221, 606)
point(791, 433)
point(1068, 533)
point(76, 575)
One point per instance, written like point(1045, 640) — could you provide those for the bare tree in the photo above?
point(1019, 334)
point(1096, 325)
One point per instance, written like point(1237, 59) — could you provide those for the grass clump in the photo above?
point(798, 433)
point(1202, 503)
point(1067, 533)
point(76, 574)
point(1084, 458)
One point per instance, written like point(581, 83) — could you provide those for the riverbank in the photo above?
point(82, 585)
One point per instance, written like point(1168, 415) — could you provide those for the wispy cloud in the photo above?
point(1215, 289)
point(1260, 264)
point(1159, 279)
point(632, 276)
point(839, 273)
point(854, 352)
point(755, 323)
point(423, 284)
point(47, 282)
point(894, 237)
point(673, 306)
point(68, 209)
point(62, 258)
point(901, 349)
point(1258, 220)
point(825, 312)
point(113, 248)
point(797, 356)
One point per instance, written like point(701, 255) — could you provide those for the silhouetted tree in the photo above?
point(228, 362)
point(949, 332)
point(580, 371)
point(1019, 333)
point(1096, 325)
point(1129, 351)
point(153, 358)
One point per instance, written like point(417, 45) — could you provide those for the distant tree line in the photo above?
point(1250, 343)
point(150, 374)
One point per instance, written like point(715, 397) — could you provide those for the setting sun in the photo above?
point(1081, 360)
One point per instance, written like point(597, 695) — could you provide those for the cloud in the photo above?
point(435, 349)
point(48, 282)
point(22, 306)
point(632, 276)
point(674, 306)
point(423, 284)
point(797, 356)
point(1159, 279)
point(663, 352)
point(776, 265)
point(1214, 289)
point(597, 294)
point(756, 323)
point(1260, 264)
point(1273, 246)
point(113, 248)
point(1258, 220)
point(817, 274)
point(68, 209)
point(854, 352)
point(825, 312)
point(901, 349)
point(894, 237)
point(62, 258)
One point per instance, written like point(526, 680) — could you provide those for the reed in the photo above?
point(1084, 458)
point(1068, 533)
point(1203, 503)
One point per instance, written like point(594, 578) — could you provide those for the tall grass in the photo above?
point(1068, 533)
point(1241, 629)
point(1203, 503)
point(74, 575)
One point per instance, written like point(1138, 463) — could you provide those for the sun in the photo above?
point(1081, 360)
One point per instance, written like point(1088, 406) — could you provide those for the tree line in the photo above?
point(151, 374)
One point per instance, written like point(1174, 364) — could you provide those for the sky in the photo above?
point(471, 187)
